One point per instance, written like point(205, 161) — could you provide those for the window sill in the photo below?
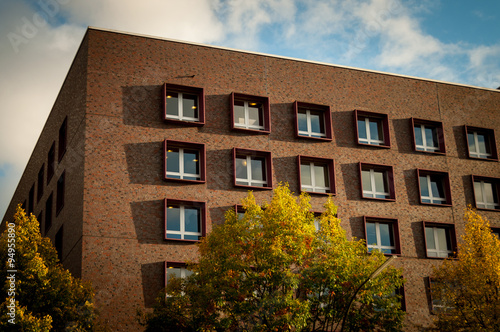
point(253, 131)
point(184, 122)
point(182, 240)
point(380, 199)
point(323, 139)
point(252, 187)
point(166, 179)
point(374, 145)
point(483, 159)
point(439, 205)
point(318, 193)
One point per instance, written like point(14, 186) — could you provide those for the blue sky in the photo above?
point(455, 41)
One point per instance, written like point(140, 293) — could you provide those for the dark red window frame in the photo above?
point(188, 145)
point(200, 92)
point(490, 134)
point(203, 215)
point(383, 118)
point(252, 98)
point(389, 173)
point(439, 132)
point(254, 153)
point(395, 228)
point(494, 181)
point(330, 164)
point(446, 184)
point(453, 236)
point(63, 139)
point(327, 117)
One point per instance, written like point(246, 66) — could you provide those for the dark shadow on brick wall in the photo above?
point(357, 228)
point(403, 133)
point(216, 215)
point(461, 142)
point(286, 171)
point(352, 184)
point(411, 184)
point(142, 106)
point(418, 237)
point(149, 221)
point(145, 163)
point(344, 132)
point(153, 281)
point(282, 122)
point(468, 190)
point(219, 169)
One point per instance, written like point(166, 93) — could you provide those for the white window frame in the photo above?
point(374, 192)
point(438, 249)
point(180, 107)
point(369, 140)
point(181, 173)
point(309, 132)
point(182, 222)
point(247, 124)
point(378, 245)
point(476, 153)
point(313, 187)
point(433, 200)
point(486, 205)
point(425, 146)
point(249, 181)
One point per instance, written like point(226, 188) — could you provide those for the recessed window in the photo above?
point(176, 270)
point(40, 218)
point(437, 306)
point(496, 232)
point(60, 193)
point(184, 220)
point(31, 200)
point(48, 213)
point(372, 129)
point(184, 104)
point(316, 175)
point(313, 121)
point(250, 113)
point(59, 243)
point(377, 181)
point(184, 161)
point(428, 136)
point(486, 192)
point(481, 143)
point(383, 235)
point(434, 187)
point(39, 189)
point(51, 159)
point(252, 168)
point(440, 241)
point(63, 139)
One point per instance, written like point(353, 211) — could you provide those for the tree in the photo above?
point(467, 289)
point(271, 270)
point(40, 295)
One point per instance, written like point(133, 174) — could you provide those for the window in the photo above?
point(313, 121)
point(434, 187)
point(486, 192)
point(31, 200)
point(176, 270)
point(184, 104)
point(397, 296)
point(60, 193)
point(40, 218)
point(317, 175)
point(250, 113)
point(481, 143)
point(377, 181)
point(59, 243)
point(184, 220)
point(39, 189)
point(48, 213)
point(383, 235)
point(51, 157)
point(63, 133)
point(252, 168)
point(440, 241)
point(428, 136)
point(372, 129)
point(184, 161)
point(437, 305)
point(496, 232)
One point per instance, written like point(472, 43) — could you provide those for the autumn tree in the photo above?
point(38, 293)
point(272, 270)
point(468, 289)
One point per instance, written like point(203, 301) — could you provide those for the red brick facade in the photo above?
point(115, 191)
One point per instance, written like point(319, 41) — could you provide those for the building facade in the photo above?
point(151, 140)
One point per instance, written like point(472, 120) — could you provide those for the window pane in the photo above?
point(255, 114)
point(386, 235)
point(172, 160)
point(302, 120)
point(239, 113)
point(380, 183)
point(362, 129)
point(190, 105)
point(429, 236)
point(437, 188)
point(320, 176)
point(172, 104)
point(305, 174)
point(443, 239)
point(424, 189)
point(367, 183)
point(258, 172)
point(173, 218)
point(173, 272)
point(192, 220)
point(241, 168)
point(191, 162)
point(472, 142)
point(375, 130)
point(431, 137)
point(478, 192)
point(488, 192)
point(371, 233)
point(317, 122)
point(418, 136)
point(482, 148)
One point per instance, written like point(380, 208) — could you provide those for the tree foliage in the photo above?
point(271, 270)
point(468, 289)
point(47, 297)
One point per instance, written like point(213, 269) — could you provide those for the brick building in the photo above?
point(402, 156)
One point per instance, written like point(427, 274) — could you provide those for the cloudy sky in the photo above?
point(456, 41)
